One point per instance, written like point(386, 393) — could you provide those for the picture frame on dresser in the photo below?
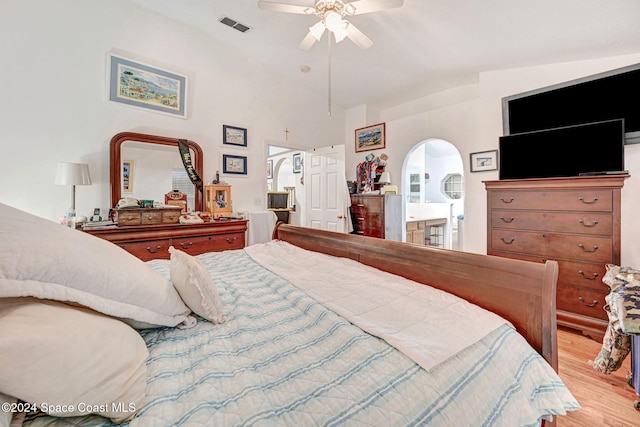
point(483, 161)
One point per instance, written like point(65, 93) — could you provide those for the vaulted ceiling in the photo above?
point(424, 46)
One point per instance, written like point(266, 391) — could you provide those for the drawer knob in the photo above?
point(584, 276)
point(510, 241)
point(595, 199)
point(595, 248)
point(593, 224)
point(593, 304)
point(153, 251)
point(504, 201)
point(508, 221)
point(231, 239)
point(186, 245)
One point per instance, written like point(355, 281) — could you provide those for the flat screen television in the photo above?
point(606, 96)
point(589, 149)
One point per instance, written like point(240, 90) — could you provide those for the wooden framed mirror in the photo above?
point(140, 152)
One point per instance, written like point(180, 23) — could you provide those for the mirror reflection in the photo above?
point(149, 171)
point(149, 168)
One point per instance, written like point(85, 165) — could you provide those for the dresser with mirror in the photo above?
point(145, 167)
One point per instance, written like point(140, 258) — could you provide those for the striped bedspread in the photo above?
point(282, 359)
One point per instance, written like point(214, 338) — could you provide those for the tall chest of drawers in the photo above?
point(575, 221)
point(377, 215)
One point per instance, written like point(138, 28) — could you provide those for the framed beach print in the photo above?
point(484, 161)
point(297, 163)
point(234, 165)
point(371, 138)
point(143, 86)
point(232, 135)
point(127, 176)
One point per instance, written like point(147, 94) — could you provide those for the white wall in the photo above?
point(55, 107)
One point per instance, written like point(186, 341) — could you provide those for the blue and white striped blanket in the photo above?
point(282, 359)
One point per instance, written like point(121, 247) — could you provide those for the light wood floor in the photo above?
point(606, 400)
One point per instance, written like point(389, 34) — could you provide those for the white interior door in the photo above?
point(326, 187)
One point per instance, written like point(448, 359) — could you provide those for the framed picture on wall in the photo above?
point(234, 165)
point(297, 163)
point(232, 135)
point(371, 138)
point(144, 86)
point(127, 176)
point(484, 161)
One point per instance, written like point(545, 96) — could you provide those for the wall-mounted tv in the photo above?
point(610, 95)
point(589, 149)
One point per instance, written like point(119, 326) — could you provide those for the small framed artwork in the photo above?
point(232, 135)
point(371, 138)
point(234, 165)
point(141, 85)
point(297, 163)
point(127, 176)
point(269, 169)
point(484, 161)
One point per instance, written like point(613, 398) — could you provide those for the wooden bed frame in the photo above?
point(520, 291)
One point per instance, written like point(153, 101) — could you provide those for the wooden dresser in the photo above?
point(377, 215)
point(153, 241)
point(575, 221)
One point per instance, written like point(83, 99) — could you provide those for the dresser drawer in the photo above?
point(583, 275)
point(581, 301)
point(171, 216)
point(564, 222)
point(148, 250)
point(591, 200)
point(369, 204)
point(200, 244)
point(128, 217)
point(590, 249)
point(151, 217)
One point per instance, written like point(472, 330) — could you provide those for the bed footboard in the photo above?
point(520, 291)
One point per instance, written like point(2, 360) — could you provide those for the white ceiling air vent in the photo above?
point(234, 24)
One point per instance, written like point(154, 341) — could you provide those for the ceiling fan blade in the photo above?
point(368, 6)
point(358, 37)
point(307, 42)
point(283, 7)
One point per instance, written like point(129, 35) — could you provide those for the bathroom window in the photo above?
point(452, 186)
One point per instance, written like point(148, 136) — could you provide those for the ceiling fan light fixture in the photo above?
point(333, 21)
point(340, 33)
point(317, 30)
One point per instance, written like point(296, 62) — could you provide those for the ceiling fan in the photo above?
point(331, 14)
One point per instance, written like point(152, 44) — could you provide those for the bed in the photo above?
point(281, 347)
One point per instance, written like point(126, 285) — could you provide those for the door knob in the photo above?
point(340, 216)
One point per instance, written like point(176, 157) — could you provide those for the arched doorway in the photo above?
point(434, 187)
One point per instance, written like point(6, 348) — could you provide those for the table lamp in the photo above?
point(72, 174)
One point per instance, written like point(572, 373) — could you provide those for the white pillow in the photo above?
point(86, 362)
point(46, 260)
point(194, 284)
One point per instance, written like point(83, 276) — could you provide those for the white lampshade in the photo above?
point(73, 174)
point(385, 178)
